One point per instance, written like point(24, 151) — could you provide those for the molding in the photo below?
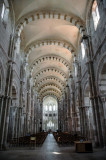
point(49, 84)
point(34, 16)
point(52, 58)
point(37, 44)
point(54, 78)
point(44, 70)
point(50, 89)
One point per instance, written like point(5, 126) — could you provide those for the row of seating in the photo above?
point(67, 138)
point(29, 140)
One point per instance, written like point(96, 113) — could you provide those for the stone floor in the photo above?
point(51, 151)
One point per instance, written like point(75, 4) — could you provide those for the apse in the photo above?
point(50, 114)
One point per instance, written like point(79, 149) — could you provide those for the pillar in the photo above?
point(93, 92)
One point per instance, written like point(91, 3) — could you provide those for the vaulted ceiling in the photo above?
point(50, 33)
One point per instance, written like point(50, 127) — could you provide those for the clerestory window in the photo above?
point(95, 14)
point(5, 12)
point(83, 50)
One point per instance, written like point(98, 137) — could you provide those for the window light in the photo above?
point(83, 50)
point(95, 14)
point(3, 11)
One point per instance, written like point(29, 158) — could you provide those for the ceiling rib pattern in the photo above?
point(49, 84)
point(50, 92)
point(47, 15)
point(50, 89)
point(44, 70)
point(50, 36)
point(34, 45)
point(50, 58)
point(50, 79)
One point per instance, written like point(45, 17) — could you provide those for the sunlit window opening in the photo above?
point(50, 108)
point(46, 108)
point(3, 11)
point(54, 108)
point(95, 14)
point(75, 70)
point(83, 50)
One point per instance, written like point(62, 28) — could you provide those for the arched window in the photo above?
point(83, 50)
point(54, 108)
point(75, 69)
point(46, 108)
point(5, 12)
point(50, 108)
point(95, 14)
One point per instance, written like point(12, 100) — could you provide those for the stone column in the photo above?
point(1, 106)
point(59, 115)
point(25, 127)
point(19, 130)
point(68, 106)
point(93, 92)
point(65, 113)
point(6, 107)
point(21, 105)
point(73, 114)
point(84, 121)
point(17, 46)
point(32, 112)
point(28, 110)
point(7, 98)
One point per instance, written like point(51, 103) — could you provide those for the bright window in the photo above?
point(95, 14)
point(50, 108)
point(75, 70)
point(54, 107)
point(83, 50)
point(3, 11)
point(46, 108)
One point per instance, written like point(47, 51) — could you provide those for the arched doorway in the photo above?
point(50, 114)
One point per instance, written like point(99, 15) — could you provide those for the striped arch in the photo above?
point(50, 78)
point(49, 84)
point(49, 93)
point(63, 74)
point(50, 57)
point(51, 87)
point(38, 44)
point(51, 90)
point(48, 15)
